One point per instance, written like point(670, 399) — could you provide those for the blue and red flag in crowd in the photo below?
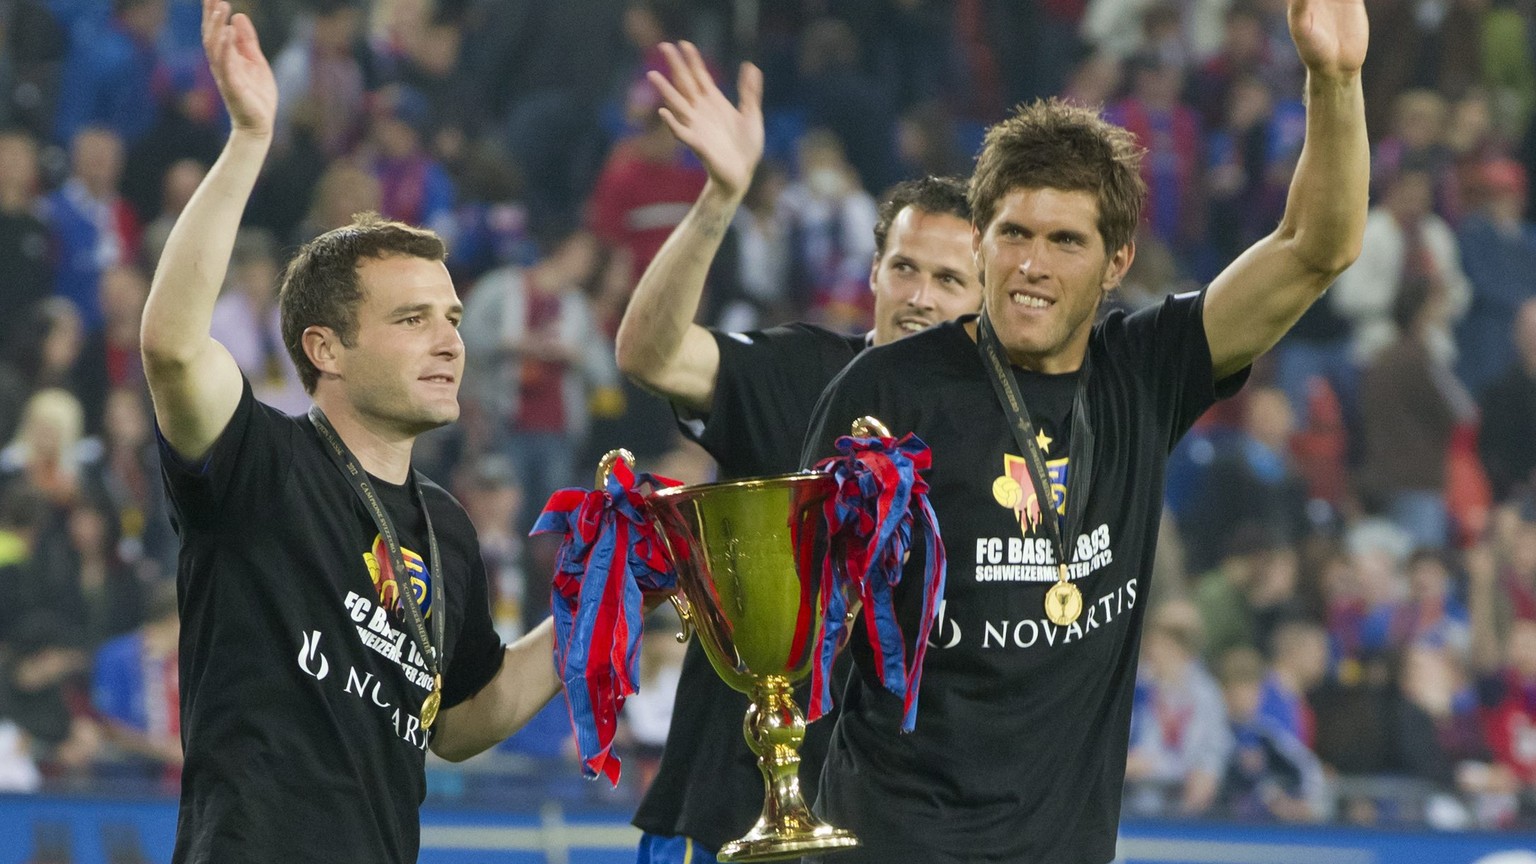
point(611, 553)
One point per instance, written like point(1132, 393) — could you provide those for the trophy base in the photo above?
point(762, 843)
point(787, 828)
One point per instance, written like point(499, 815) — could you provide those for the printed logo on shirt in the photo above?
point(996, 632)
point(1015, 491)
point(367, 684)
point(379, 570)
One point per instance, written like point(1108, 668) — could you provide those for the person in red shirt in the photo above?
point(644, 191)
point(1509, 705)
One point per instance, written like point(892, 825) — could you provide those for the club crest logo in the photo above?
point(377, 559)
point(1016, 491)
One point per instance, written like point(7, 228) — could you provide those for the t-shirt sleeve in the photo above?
point(766, 386)
point(251, 454)
point(852, 394)
point(1180, 374)
point(477, 652)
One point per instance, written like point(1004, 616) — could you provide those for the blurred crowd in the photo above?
point(1344, 626)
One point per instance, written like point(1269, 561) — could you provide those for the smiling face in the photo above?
point(403, 369)
point(926, 275)
point(1045, 268)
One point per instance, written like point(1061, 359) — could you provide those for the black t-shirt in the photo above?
point(1022, 726)
point(708, 786)
point(300, 686)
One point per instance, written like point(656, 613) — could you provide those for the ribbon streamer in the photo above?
point(610, 554)
point(869, 529)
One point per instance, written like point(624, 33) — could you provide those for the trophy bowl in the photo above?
point(748, 556)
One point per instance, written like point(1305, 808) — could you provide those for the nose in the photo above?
point(450, 343)
point(921, 294)
point(1032, 264)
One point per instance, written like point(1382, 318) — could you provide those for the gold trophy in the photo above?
point(748, 555)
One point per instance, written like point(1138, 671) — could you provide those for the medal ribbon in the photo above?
point(611, 552)
point(342, 458)
point(869, 529)
point(1079, 448)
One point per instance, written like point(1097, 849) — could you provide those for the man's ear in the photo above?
point(1119, 263)
point(322, 346)
point(981, 272)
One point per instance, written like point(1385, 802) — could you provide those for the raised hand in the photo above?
point(1330, 35)
point(239, 68)
point(727, 138)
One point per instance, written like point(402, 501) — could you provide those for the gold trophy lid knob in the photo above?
point(869, 427)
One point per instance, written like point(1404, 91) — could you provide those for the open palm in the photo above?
point(1330, 35)
point(727, 138)
point(239, 68)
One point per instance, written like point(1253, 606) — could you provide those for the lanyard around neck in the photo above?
point(1079, 448)
point(342, 458)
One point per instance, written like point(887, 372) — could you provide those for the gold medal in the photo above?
point(435, 698)
point(1063, 603)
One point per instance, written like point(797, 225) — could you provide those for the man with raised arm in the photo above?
point(1049, 437)
point(335, 622)
point(747, 398)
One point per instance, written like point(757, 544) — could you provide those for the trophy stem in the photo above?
point(775, 728)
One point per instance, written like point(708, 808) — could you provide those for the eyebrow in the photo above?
point(418, 308)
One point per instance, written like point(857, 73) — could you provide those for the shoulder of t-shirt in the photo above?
point(793, 336)
point(931, 352)
point(249, 414)
point(1174, 310)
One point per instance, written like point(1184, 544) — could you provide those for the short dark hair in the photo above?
point(937, 195)
point(320, 285)
point(1051, 144)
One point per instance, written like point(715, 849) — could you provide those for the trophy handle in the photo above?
point(869, 427)
point(611, 458)
point(604, 468)
point(684, 616)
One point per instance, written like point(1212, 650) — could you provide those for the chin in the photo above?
point(444, 415)
point(429, 417)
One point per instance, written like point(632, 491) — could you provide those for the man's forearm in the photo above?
point(525, 684)
point(179, 311)
point(1328, 201)
point(666, 300)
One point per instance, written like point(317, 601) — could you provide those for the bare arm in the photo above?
point(523, 686)
point(659, 346)
point(194, 380)
point(1263, 293)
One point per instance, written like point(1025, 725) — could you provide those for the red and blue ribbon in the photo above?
point(869, 522)
point(611, 553)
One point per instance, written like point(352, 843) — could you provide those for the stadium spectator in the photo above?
point(114, 77)
point(1180, 741)
point(1271, 775)
point(91, 225)
point(134, 691)
point(26, 272)
point(1498, 251)
point(1509, 413)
